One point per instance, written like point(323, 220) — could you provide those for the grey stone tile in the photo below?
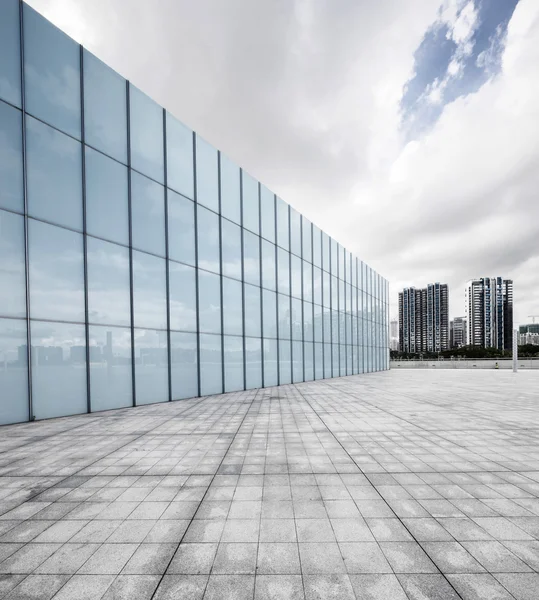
point(322, 558)
point(502, 529)
point(407, 557)
point(479, 586)
point(193, 559)
point(186, 587)
point(204, 531)
point(131, 532)
point(452, 557)
point(364, 557)
point(25, 531)
point(495, 557)
point(235, 587)
point(132, 587)
point(85, 587)
point(8, 582)
point(389, 530)
point(235, 559)
point(433, 587)
point(60, 532)
point(523, 586)
point(351, 530)
point(166, 531)
point(428, 530)
point(328, 587)
point(150, 559)
point(314, 530)
point(279, 587)
point(240, 530)
point(278, 559)
point(68, 559)
point(109, 559)
point(377, 587)
point(37, 587)
point(527, 551)
point(27, 558)
point(278, 530)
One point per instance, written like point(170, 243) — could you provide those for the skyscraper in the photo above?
point(458, 332)
point(489, 312)
point(424, 319)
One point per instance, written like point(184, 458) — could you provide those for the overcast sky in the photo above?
point(408, 130)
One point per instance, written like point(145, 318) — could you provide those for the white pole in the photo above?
point(515, 350)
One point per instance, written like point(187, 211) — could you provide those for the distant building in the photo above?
point(394, 334)
point(489, 312)
point(424, 319)
point(458, 333)
point(528, 334)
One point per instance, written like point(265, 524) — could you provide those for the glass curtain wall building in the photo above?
point(138, 263)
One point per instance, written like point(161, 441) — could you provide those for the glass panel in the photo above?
point(12, 267)
point(269, 271)
point(326, 296)
point(325, 252)
point(251, 203)
point(307, 321)
point(233, 357)
point(252, 311)
point(231, 249)
point(282, 224)
point(149, 291)
point(51, 73)
point(208, 240)
point(295, 232)
point(318, 361)
point(148, 214)
point(317, 247)
point(56, 273)
point(211, 380)
point(253, 363)
point(251, 258)
point(111, 383)
point(146, 135)
point(207, 179)
point(181, 228)
point(269, 313)
point(341, 295)
point(335, 360)
point(11, 182)
point(334, 258)
point(295, 265)
point(151, 366)
point(58, 369)
point(306, 232)
point(285, 362)
point(307, 281)
point(327, 325)
point(284, 316)
point(13, 371)
point(107, 206)
point(209, 302)
point(184, 365)
point(335, 326)
point(267, 207)
point(183, 297)
point(327, 361)
point(297, 319)
point(180, 168)
point(270, 363)
point(297, 365)
point(283, 271)
point(54, 175)
point(232, 307)
point(342, 351)
point(317, 286)
point(108, 283)
point(309, 360)
point(318, 323)
point(230, 190)
point(105, 108)
point(10, 58)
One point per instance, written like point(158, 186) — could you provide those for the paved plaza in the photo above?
point(398, 485)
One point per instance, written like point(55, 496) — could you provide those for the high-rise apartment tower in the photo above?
point(424, 319)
